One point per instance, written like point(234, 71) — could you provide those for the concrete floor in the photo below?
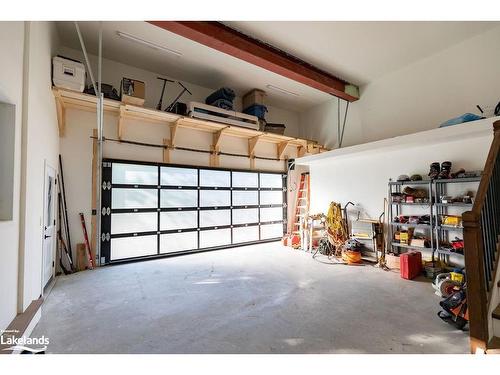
point(254, 299)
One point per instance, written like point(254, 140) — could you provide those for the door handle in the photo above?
point(45, 237)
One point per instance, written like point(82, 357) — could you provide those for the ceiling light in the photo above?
point(123, 35)
point(283, 91)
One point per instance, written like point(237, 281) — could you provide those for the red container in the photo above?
point(411, 264)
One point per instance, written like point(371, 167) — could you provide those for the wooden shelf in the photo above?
point(72, 99)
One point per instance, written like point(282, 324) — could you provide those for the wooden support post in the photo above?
point(93, 219)
point(166, 151)
point(252, 143)
point(281, 149)
point(61, 114)
point(120, 121)
point(215, 148)
point(476, 288)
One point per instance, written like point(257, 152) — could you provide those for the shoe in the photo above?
point(445, 170)
point(434, 170)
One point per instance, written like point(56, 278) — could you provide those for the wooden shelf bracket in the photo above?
point(252, 143)
point(173, 132)
point(281, 148)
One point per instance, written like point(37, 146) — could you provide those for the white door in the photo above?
point(49, 225)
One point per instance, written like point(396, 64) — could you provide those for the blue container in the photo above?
point(461, 119)
point(257, 110)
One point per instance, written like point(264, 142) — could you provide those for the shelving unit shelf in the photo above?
point(435, 230)
point(395, 210)
point(73, 99)
point(442, 232)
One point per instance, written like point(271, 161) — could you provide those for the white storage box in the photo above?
point(68, 74)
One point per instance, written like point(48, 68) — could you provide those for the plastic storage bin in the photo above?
point(256, 110)
point(68, 73)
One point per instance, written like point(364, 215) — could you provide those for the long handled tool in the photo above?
point(184, 89)
point(62, 244)
point(65, 207)
point(158, 106)
point(86, 238)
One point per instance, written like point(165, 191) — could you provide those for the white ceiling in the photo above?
point(356, 51)
point(360, 52)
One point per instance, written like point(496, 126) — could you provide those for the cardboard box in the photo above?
point(255, 96)
point(133, 91)
point(420, 242)
point(392, 261)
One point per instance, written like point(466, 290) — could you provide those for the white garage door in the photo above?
point(154, 210)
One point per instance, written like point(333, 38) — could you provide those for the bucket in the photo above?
point(351, 257)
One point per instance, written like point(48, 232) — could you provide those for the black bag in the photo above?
point(108, 91)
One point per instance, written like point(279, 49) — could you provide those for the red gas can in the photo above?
point(411, 264)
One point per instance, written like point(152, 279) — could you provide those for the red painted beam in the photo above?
point(227, 40)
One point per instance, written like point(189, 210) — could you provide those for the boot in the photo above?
point(445, 170)
point(434, 170)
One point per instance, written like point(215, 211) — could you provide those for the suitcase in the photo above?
point(410, 264)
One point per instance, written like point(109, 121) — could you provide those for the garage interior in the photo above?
point(240, 188)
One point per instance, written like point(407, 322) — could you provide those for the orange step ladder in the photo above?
point(301, 210)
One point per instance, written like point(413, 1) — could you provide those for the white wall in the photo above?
point(40, 145)
point(418, 97)
point(320, 123)
point(11, 78)
point(113, 72)
point(361, 174)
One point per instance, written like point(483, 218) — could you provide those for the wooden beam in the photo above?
point(166, 151)
point(281, 149)
point(61, 114)
point(234, 43)
point(120, 121)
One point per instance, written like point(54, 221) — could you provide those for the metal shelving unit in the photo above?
point(442, 231)
point(396, 209)
point(435, 209)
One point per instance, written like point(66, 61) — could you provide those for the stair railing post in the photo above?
point(476, 283)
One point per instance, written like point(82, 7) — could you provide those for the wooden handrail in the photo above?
point(477, 289)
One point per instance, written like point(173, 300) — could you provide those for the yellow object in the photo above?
point(403, 238)
point(336, 225)
point(455, 276)
point(351, 256)
point(452, 220)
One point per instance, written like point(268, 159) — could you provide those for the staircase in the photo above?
point(482, 249)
